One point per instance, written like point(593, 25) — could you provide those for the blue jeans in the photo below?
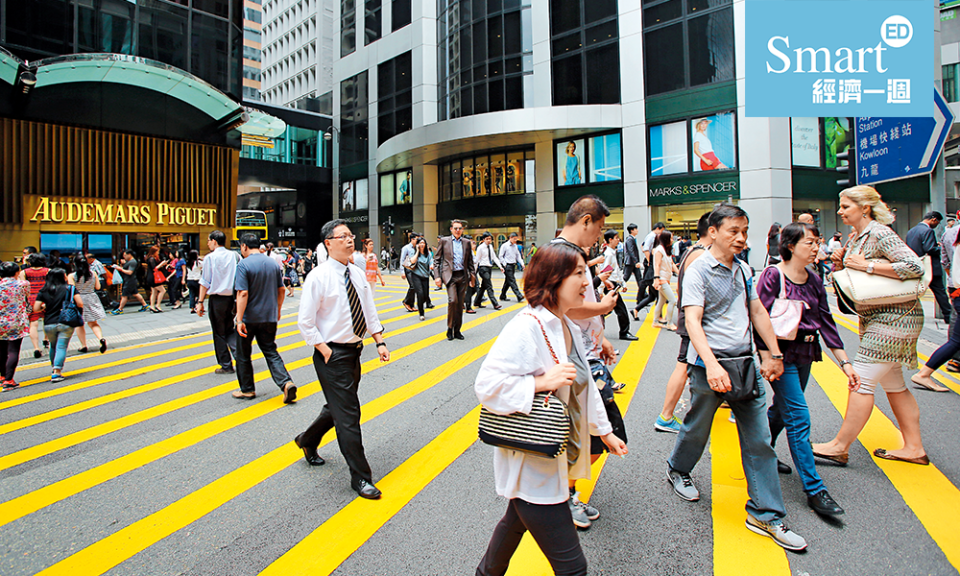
point(757, 455)
point(790, 411)
point(59, 336)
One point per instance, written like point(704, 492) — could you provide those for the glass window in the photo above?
point(570, 162)
point(45, 26)
point(599, 9)
point(514, 180)
point(603, 75)
point(218, 7)
point(401, 14)
point(585, 52)
point(210, 57)
point(469, 179)
point(711, 47)
point(108, 28)
point(387, 192)
point(605, 158)
point(362, 195)
point(65, 243)
point(530, 174)
point(498, 165)
point(404, 182)
point(714, 142)
point(354, 137)
point(564, 16)
point(348, 27)
point(668, 149)
point(664, 12)
point(805, 141)
point(163, 33)
point(456, 180)
point(567, 81)
point(372, 22)
point(481, 171)
point(395, 97)
point(950, 82)
point(665, 72)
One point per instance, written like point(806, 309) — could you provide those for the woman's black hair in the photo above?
point(81, 267)
point(36, 260)
point(774, 230)
point(665, 239)
point(56, 279)
point(792, 234)
point(9, 269)
point(192, 257)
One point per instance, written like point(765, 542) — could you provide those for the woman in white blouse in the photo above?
point(537, 352)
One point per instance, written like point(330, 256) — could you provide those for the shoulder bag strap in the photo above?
point(546, 399)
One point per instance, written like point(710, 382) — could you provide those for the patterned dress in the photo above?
point(888, 332)
point(37, 277)
point(92, 308)
point(14, 295)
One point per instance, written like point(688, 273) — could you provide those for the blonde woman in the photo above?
point(888, 333)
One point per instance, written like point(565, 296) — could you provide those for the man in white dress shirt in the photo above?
point(486, 258)
point(216, 281)
point(646, 284)
point(510, 259)
point(336, 312)
point(611, 240)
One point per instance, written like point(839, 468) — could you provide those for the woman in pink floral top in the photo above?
point(14, 322)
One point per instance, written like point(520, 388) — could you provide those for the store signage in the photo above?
point(357, 219)
point(881, 65)
point(81, 211)
point(693, 192)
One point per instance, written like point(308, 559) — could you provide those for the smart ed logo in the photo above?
point(801, 63)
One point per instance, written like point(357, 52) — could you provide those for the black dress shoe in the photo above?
point(309, 454)
point(367, 490)
point(458, 335)
point(628, 336)
point(497, 307)
point(783, 468)
point(822, 503)
point(471, 311)
point(449, 334)
point(429, 306)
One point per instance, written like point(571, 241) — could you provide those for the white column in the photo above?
point(546, 211)
point(634, 139)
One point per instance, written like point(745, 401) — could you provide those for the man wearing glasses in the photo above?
point(336, 312)
point(452, 264)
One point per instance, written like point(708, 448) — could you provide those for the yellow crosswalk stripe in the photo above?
point(110, 551)
point(528, 560)
point(929, 494)
point(736, 550)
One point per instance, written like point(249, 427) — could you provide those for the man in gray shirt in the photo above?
point(260, 292)
point(719, 305)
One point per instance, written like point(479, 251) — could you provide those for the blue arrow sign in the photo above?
point(896, 148)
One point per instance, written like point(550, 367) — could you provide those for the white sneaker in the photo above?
point(580, 519)
point(777, 531)
point(591, 512)
point(682, 485)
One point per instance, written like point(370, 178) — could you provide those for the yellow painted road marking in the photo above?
point(736, 550)
point(105, 428)
point(929, 494)
point(110, 551)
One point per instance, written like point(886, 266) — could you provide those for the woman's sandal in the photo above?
point(881, 453)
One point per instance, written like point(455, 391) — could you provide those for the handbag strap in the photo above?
point(544, 332)
point(783, 282)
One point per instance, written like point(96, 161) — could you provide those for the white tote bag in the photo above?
point(785, 314)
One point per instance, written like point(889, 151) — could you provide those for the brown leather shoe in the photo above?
point(289, 393)
point(241, 396)
point(881, 453)
point(840, 459)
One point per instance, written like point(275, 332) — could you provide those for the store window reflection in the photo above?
point(488, 175)
point(296, 145)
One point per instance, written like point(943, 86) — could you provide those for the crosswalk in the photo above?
point(141, 448)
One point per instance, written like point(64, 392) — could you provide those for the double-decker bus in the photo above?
point(249, 221)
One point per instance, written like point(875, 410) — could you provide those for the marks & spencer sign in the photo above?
point(839, 58)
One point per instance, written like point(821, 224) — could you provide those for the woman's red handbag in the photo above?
point(159, 277)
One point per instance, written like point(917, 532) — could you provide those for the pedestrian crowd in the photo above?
point(736, 328)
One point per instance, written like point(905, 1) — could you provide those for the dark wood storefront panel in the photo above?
point(54, 160)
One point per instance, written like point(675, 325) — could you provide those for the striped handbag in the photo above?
point(542, 432)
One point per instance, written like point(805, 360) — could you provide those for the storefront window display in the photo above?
point(493, 175)
point(346, 197)
point(805, 141)
point(360, 195)
point(837, 136)
point(714, 142)
point(681, 219)
point(668, 149)
point(396, 188)
point(387, 194)
point(589, 160)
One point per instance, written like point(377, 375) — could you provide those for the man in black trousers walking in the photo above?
point(216, 281)
point(336, 312)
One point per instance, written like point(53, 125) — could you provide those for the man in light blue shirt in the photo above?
point(219, 273)
point(510, 258)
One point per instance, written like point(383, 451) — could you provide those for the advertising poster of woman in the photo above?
point(346, 197)
point(570, 162)
point(713, 143)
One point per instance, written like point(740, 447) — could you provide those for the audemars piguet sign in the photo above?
point(97, 212)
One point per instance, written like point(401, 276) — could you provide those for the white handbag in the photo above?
point(874, 290)
point(785, 314)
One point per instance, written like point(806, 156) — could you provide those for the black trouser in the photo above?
point(266, 335)
point(622, 318)
point(486, 285)
point(411, 296)
point(551, 526)
point(10, 355)
point(194, 287)
point(936, 286)
point(456, 295)
point(421, 287)
point(645, 284)
point(471, 291)
point(631, 269)
point(510, 281)
point(953, 321)
point(339, 379)
point(175, 293)
point(222, 312)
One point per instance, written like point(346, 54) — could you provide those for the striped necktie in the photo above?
point(356, 311)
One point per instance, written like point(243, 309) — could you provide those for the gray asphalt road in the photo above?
point(141, 463)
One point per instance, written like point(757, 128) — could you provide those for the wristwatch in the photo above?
point(870, 267)
point(776, 356)
point(381, 344)
point(844, 363)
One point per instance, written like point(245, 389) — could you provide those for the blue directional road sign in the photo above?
point(896, 148)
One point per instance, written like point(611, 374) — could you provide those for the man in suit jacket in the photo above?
point(923, 240)
point(452, 266)
point(631, 256)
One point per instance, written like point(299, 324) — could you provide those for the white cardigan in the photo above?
point(505, 384)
